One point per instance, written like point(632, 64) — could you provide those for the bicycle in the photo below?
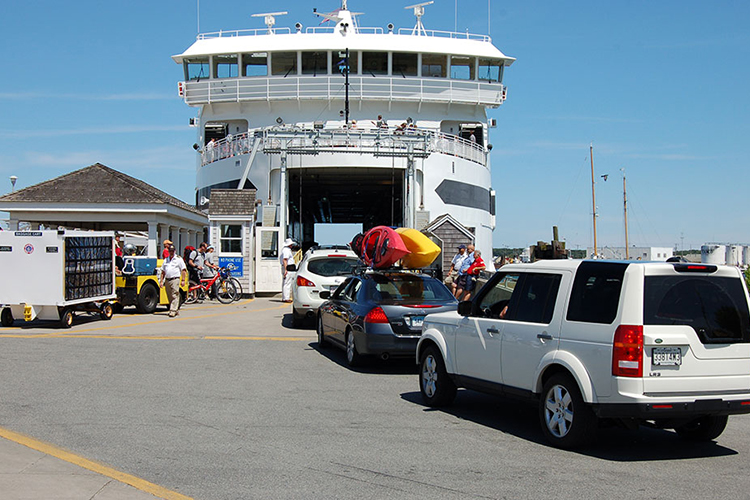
point(226, 292)
point(237, 284)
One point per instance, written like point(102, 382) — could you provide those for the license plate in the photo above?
point(666, 356)
point(415, 321)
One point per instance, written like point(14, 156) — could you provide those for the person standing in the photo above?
point(165, 252)
point(462, 271)
point(288, 268)
point(195, 262)
point(455, 266)
point(210, 268)
point(473, 273)
point(173, 277)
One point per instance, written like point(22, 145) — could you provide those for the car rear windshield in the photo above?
point(409, 289)
point(332, 266)
point(715, 307)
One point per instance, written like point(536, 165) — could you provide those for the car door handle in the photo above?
point(544, 336)
point(492, 330)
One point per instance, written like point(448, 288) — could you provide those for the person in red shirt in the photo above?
point(165, 252)
point(473, 274)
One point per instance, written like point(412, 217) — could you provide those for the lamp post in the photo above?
point(13, 180)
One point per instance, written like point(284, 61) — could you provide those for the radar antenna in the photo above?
point(418, 13)
point(270, 18)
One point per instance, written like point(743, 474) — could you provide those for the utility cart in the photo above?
point(51, 275)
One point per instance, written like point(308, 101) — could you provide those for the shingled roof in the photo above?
point(232, 202)
point(95, 184)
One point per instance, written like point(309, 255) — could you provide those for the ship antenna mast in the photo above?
point(418, 13)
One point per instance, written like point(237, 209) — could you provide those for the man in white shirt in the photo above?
point(173, 276)
point(288, 269)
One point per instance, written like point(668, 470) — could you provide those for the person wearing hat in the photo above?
point(173, 276)
point(165, 252)
point(210, 268)
point(458, 259)
point(288, 268)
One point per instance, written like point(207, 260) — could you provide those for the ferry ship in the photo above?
point(348, 124)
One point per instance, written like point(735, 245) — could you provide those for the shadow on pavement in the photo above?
point(371, 364)
point(615, 444)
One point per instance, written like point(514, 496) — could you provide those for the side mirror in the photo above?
point(325, 294)
point(465, 307)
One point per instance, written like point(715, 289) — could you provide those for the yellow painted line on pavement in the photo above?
point(78, 333)
point(282, 339)
point(54, 451)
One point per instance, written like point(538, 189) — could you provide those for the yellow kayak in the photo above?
point(423, 250)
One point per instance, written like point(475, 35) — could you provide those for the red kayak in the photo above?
point(382, 247)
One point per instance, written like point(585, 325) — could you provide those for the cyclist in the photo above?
point(210, 268)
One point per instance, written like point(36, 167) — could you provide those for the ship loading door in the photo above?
point(339, 195)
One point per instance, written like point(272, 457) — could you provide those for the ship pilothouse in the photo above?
point(341, 123)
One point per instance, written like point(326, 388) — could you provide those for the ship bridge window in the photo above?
point(339, 62)
point(433, 65)
point(283, 63)
point(315, 63)
point(404, 64)
point(462, 68)
point(375, 63)
point(225, 66)
point(196, 68)
point(491, 70)
point(255, 64)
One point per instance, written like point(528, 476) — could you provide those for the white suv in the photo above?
point(662, 344)
point(322, 268)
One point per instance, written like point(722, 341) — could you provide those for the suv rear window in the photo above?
point(409, 289)
point(331, 266)
point(715, 307)
point(596, 292)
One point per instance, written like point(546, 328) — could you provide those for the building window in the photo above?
point(255, 64)
point(196, 69)
point(491, 70)
point(404, 64)
point(315, 63)
point(231, 238)
point(284, 63)
point(374, 63)
point(433, 65)
point(225, 66)
point(462, 68)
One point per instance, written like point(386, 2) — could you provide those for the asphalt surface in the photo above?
point(230, 402)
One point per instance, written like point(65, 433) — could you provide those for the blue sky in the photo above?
point(659, 87)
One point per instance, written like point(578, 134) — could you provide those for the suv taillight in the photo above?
point(376, 315)
point(627, 351)
point(302, 281)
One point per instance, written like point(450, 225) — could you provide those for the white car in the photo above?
point(662, 344)
point(322, 268)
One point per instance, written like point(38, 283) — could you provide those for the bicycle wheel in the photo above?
point(225, 291)
point(193, 293)
point(237, 286)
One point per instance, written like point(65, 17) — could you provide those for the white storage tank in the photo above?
point(713, 254)
point(734, 255)
point(746, 255)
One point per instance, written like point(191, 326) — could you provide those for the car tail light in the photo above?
point(376, 315)
point(336, 255)
point(694, 268)
point(302, 281)
point(627, 352)
point(421, 306)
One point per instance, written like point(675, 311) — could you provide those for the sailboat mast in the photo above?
point(625, 209)
point(593, 197)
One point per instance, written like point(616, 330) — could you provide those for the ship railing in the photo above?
point(444, 34)
point(331, 29)
point(327, 87)
point(249, 32)
point(368, 140)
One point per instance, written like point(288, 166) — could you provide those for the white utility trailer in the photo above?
point(51, 275)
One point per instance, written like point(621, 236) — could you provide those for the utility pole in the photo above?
point(593, 196)
point(625, 208)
